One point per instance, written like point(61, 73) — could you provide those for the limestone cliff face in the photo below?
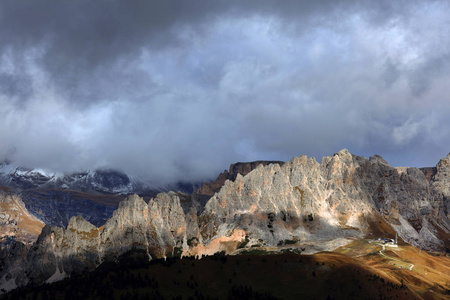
point(158, 227)
point(441, 184)
point(242, 168)
point(440, 187)
point(301, 201)
point(201, 196)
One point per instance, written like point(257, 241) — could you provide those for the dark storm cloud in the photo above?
point(175, 90)
point(85, 39)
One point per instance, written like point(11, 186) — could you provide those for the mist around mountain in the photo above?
point(101, 181)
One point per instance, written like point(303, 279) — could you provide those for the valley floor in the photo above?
point(360, 270)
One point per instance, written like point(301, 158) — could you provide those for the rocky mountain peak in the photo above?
point(78, 223)
point(440, 184)
point(378, 159)
point(343, 152)
point(132, 201)
point(441, 178)
point(444, 163)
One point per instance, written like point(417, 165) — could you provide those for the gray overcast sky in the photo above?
point(178, 90)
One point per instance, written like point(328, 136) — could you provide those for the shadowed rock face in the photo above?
point(441, 185)
point(429, 172)
point(300, 201)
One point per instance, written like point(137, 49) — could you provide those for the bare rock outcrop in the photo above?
point(440, 187)
point(441, 183)
point(242, 168)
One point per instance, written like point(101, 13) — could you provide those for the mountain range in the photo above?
point(101, 181)
point(301, 205)
point(54, 198)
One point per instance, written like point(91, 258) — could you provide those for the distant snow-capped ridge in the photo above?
point(103, 181)
point(100, 181)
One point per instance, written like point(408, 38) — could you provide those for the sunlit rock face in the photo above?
point(16, 222)
point(201, 196)
point(241, 168)
point(301, 201)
